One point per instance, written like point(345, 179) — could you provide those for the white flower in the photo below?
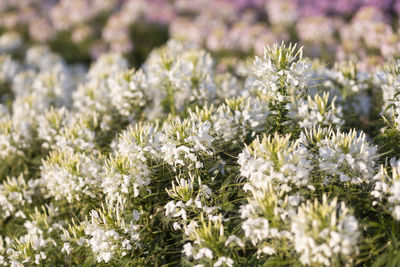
point(322, 230)
point(348, 157)
point(262, 164)
point(136, 215)
point(177, 78)
point(256, 229)
point(66, 248)
point(222, 261)
point(282, 12)
point(387, 186)
point(280, 73)
point(389, 82)
point(316, 111)
point(111, 239)
point(62, 176)
point(268, 250)
point(9, 42)
point(185, 142)
point(170, 208)
point(8, 68)
point(350, 85)
point(239, 116)
point(188, 249)
point(203, 252)
point(234, 239)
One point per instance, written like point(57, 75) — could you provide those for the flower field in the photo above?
point(199, 133)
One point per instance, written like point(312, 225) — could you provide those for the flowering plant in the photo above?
point(180, 162)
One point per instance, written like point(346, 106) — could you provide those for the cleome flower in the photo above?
point(128, 89)
point(10, 41)
point(239, 117)
point(189, 199)
point(347, 157)
point(95, 94)
point(209, 244)
point(38, 242)
point(184, 162)
point(110, 234)
point(325, 233)
point(8, 69)
point(316, 111)
point(266, 217)
point(124, 177)
point(277, 160)
point(387, 187)
point(16, 195)
point(389, 81)
point(140, 141)
point(282, 72)
point(351, 86)
point(71, 176)
point(178, 78)
point(186, 143)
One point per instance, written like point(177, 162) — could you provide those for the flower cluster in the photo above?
point(365, 30)
point(347, 157)
point(178, 78)
point(387, 187)
point(280, 177)
point(188, 161)
point(317, 111)
point(275, 160)
point(327, 222)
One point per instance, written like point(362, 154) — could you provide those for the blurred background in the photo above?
point(364, 31)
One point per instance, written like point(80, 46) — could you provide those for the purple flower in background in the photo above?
point(247, 3)
point(397, 7)
point(327, 7)
point(341, 27)
point(341, 7)
point(385, 5)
